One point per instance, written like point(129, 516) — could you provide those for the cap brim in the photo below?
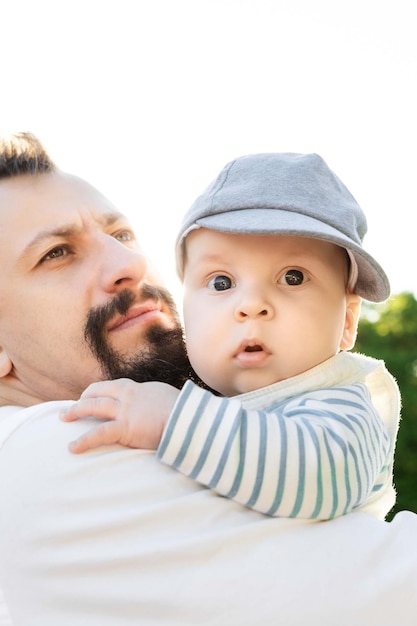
point(372, 283)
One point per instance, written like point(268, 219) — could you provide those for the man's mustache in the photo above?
point(99, 316)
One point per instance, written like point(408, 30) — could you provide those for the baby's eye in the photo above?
point(293, 277)
point(221, 283)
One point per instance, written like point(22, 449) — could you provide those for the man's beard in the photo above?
point(161, 356)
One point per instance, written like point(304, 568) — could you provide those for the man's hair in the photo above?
point(23, 153)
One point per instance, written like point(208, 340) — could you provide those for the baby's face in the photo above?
point(259, 309)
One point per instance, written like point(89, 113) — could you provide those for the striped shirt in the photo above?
point(316, 446)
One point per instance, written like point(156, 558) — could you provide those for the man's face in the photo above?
point(77, 300)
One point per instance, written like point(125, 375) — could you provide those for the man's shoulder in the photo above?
point(14, 417)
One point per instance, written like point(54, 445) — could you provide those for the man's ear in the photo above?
point(353, 309)
point(5, 363)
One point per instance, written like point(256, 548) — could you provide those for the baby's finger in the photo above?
point(101, 408)
point(103, 435)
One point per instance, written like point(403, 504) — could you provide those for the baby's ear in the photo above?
point(5, 364)
point(353, 309)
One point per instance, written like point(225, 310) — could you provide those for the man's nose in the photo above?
point(121, 266)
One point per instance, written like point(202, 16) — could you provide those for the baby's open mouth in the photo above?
point(252, 354)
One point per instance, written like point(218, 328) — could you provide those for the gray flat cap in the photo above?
point(287, 194)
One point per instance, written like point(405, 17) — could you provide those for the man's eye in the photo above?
point(55, 253)
point(124, 235)
point(293, 277)
point(220, 283)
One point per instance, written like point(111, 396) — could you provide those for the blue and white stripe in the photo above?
point(315, 456)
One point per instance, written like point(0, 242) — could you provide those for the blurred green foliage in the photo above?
point(388, 331)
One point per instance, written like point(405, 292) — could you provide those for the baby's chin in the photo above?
point(241, 387)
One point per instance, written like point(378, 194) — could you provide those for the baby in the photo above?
point(274, 271)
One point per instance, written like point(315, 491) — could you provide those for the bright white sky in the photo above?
point(148, 100)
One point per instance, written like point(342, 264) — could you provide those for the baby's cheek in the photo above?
point(195, 345)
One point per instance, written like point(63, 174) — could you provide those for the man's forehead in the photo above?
point(46, 198)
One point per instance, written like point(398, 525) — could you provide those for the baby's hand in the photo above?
point(136, 412)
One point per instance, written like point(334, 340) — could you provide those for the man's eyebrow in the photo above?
point(68, 230)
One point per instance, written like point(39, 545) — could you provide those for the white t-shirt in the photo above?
point(113, 537)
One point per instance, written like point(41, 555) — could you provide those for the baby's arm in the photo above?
point(317, 460)
point(135, 413)
point(316, 457)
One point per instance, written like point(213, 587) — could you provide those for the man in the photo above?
point(115, 538)
point(74, 257)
